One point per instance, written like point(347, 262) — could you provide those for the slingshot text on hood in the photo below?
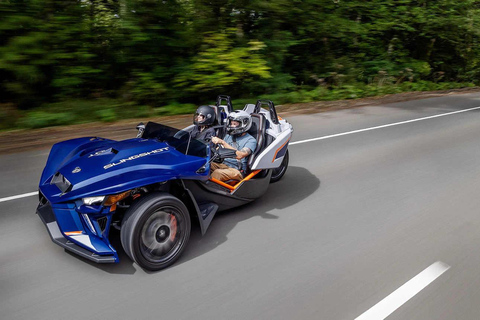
point(140, 155)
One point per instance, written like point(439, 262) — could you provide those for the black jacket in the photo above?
point(205, 135)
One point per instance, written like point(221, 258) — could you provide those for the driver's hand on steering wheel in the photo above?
point(217, 140)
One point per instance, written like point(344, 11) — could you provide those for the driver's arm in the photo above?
point(217, 140)
point(245, 152)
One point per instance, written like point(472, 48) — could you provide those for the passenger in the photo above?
point(237, 138)
point(203, 120)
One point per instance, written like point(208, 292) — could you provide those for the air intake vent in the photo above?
point(102, 223)
point(100, 152)
point(61, 182)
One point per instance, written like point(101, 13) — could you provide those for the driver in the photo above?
point(237, 138)
point(203, 120)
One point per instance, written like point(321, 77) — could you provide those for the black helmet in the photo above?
point(241, 116)
point(208, 116)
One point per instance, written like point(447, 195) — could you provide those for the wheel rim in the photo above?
point(279, 171)
point(162, 235)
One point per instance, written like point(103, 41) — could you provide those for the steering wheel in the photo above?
point(216, 148)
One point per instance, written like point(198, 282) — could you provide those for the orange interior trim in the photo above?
point(275, 156)
point(223, 184)
point(231, 188)
point(250, 176)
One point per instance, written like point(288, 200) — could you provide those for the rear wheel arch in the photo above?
point(278, 173)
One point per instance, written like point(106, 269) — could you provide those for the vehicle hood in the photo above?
point(109, 167)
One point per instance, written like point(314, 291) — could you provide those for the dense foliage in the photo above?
point(57, 55)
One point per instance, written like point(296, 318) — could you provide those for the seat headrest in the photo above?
point(254, 128)
point(218, 115)
point(257, 131)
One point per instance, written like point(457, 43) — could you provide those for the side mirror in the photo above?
point(141, 129)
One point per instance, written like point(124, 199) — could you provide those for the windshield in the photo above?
point(179, 139)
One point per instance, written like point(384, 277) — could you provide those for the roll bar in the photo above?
point(271, 108)
point(220, 98)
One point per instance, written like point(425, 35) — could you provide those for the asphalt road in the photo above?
point(355, 217)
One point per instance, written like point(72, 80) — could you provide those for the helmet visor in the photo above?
point(199, 118)
point(237, 125)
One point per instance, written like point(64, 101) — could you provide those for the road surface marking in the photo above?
point(380, 127)
point(307, 140)
point(19, 196)
point(397, 298)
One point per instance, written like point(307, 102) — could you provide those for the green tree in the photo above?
point(220, 64)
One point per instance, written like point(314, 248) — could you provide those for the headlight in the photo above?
point(93, 200)
point(116, 197)
point(107, 201)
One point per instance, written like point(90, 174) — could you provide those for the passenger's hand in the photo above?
point(217, 140)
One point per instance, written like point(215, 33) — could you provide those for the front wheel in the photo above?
point(155, 231)
point(278, 173)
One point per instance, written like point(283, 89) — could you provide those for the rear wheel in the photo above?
point(155, 231)
point(278, 173)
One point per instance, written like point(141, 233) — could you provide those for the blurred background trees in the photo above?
point(64, 61)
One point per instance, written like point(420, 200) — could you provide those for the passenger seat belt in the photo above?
point(235, 145)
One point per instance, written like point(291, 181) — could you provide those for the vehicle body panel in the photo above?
point(137, 162)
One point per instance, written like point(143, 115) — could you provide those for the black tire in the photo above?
point(155, 231)
point(278, 173)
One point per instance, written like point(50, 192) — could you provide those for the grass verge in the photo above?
point(111, 110)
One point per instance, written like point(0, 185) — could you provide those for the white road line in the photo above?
point(309, 140)
point(397, 298)
point(383, 126)
point(19, 196)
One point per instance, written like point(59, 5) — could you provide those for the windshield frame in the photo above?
point(181, 140)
